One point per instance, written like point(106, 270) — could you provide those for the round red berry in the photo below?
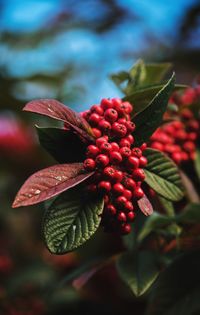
point(137, 152)
point(117, 177)
point(115, 146)
point(102, 160)
point(101, 140)
point(138, 193)
point(130, 216)
point(128, 194)
point(138, 174)
point(130, 138)
point(157, 145)
point(133, 162)
point(128, 206)
point(106, 103)
point(105, 126)
point(111, 210)
point(143, 146)
point(92, 151)
point(129, 183)
point(104, 186)
point(94, 119)
point(119, 130)
point(130, 126)
point(142, 161)
point(109, 172)
point(97, 109)
point(121, 201)
point(124, 143)
point(96, 132)
point(118, 189)
point(121, 217)
point(111, 115)
point(115, 157)
point(105, 147)
point(125, 229)
point(122, 121)
point(125, 152)
point(89, 164)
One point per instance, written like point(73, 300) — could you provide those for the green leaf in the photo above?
point(155, 222)
point(138, 270)
point(63, 145)
point(148, 120)
point(119, 78)
point(71, 220)
point(177, 290)
point(155, 72)
point(197, 162)
point(190, 214)
point(168, 206)
point(162, 175)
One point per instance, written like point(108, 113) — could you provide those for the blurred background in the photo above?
point(66, 50)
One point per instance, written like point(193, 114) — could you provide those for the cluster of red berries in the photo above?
point(190, 96)
point(178, 139)
point(118, 165)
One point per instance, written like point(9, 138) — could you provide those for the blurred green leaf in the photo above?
point(70, 221)
point(162, 175)
point(148, 120)
point(197, 162)
point(155, 72)
point(138, 270)
point(177, 290)
point(190, 214)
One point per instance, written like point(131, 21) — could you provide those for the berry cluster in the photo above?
point(116, 162)
point(178, 139)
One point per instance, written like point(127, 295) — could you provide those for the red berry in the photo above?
point(137, 152)
point(118, 176)
point(193, 125)
point(121, 217)
point(96, 132)
point(130, 126)
point(125, 152)
point(121, 201)
point(143, 161)
point(189, 146)
point(106, 103)
point(102, 160)
point(89, 164)
point(115, 146)
point(177, 157)
point(186, 114)
point(118, 189)
point(124, 143)
point(128, 194)
point(128, 107)
point(101, 140)
point(125, 229)
point(130, 138)
point(138, 193)
point(119, 130)
point(94, 119)
point(192, 136)
point(130, 216)
point(97, 109)
point(111, 210)
point(92, 151)
point(115, 157)
point(138, 174)
point(128, 206)
point(85, 114)
point(116, 102)
point(157, 145)
point(109, 172)
point(122, 121)
point(111, 115)
point(133, 162)
point(106, 199)
point(130, 183)
point(143, 146)
point(105, 147)
point(105, 126)
point(104, 186)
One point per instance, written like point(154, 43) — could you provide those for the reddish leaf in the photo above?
point(50, 182)
point(57, 110)
point(145, 205)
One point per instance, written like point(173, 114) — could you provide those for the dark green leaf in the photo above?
point(177, 290)
point(138, 270)
point(151, 117)
point(63, 145)
point(168, 206)
point(162, 175)
point(153, 223)
point(71, 220)
point(190, 214)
